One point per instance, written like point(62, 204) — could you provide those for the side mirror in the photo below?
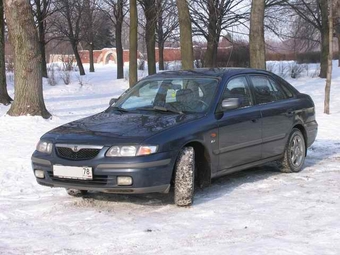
point(230, 104)
point(113, 101)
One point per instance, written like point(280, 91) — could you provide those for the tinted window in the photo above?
point(266, 90)
point(238, 88)
point(288, 93)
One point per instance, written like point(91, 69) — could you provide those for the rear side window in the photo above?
point(266, 90)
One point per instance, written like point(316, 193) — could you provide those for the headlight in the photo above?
point(44, 147)
point(147, 150)
point(131, 151)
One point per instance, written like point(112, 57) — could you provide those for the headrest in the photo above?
point(184, 95)
point(239, 91)
point(262, 90)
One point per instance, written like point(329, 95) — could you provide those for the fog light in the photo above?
point(124, 181)
point(39, 174)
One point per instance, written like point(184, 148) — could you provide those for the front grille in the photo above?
point(98, 180)
point(82, 154)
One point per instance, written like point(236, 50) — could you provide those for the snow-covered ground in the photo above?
point(259, 211)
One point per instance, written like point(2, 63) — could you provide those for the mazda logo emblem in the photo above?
point(75, 148)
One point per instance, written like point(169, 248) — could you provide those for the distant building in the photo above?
point(103, 56)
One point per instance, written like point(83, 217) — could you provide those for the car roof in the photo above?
point(206, 72)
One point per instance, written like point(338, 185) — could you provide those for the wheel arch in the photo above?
point(202, 163)
point(304, 133)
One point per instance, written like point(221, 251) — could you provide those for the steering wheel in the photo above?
point(202, 102)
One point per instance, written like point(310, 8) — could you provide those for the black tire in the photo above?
point(185, 177)
point(295, 153)
point(76, 192)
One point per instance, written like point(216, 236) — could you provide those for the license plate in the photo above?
point(71, 172)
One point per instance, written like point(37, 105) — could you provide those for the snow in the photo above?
point(258, 211)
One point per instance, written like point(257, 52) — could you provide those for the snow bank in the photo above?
point(259, 211)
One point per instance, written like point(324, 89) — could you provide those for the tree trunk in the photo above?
point(43, 55)
point(330, 58)
point(210, 57)
point(257, 48)
point(324, 39)
point(78, 58)
point(161, 55)
point(324, 53)
point(160, 34)
point(4, 97)
point(185, 34)
point(27, 60)
point(42, 43)
point(91, 58)
point(119, 43)
point(133, 75)
point(150, 35)
point(338, 37)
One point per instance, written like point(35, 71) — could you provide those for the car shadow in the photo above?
point(219, 187)
point(225, 184)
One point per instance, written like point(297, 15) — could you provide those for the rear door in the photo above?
point(239, 129)
point(277, 113)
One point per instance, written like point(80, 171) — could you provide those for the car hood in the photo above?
point(115, 127)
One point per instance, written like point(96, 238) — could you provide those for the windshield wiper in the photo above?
point(120, 109)
point(159, 108)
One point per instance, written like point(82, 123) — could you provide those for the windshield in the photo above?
point(181, 95)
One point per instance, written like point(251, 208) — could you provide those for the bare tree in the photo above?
point(42, 9)
point(27, 60)
point(330, 58)
point(303, 37)
point(167, 23)
point(256, 37)
point(210, 18)
point(94, 26)
point(336, 25)
point(116, 12)
point(133, 76)
point(186, 34)
point(67, 21)
point(89, 28)
point(119, 15)
point(314, 12)
point(149, 7)
point(4, 97)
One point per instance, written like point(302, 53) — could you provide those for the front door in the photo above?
point(239, 129)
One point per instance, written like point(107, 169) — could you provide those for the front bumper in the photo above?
point(150, 174)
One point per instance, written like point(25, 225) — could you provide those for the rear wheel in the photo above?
point(185, 177)
point(295, 152)
point(76, 192)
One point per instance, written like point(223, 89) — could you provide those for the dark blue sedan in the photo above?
point(180, 129)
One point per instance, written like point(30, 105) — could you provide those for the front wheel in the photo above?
point(185, 177)
point(295, 153)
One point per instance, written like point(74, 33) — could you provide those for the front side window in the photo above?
point(238, 88)
point(178, 94)
point(266, 90)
